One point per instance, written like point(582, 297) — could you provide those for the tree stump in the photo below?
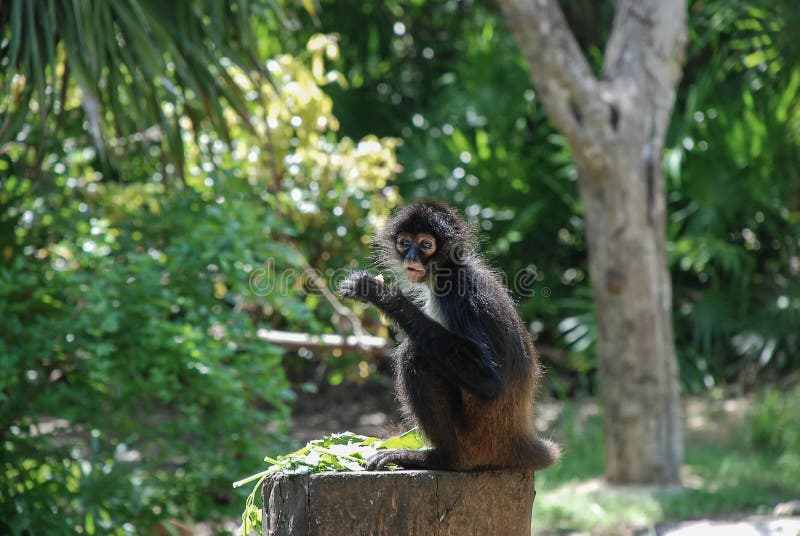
point(399, 503)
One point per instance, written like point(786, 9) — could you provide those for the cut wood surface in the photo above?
point(399, 503)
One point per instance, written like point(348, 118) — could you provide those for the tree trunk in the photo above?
point(636, 357)
point(399, 502)
point(616, 126)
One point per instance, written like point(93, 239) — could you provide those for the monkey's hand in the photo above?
point(362, 286)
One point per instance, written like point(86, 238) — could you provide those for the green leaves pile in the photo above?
point(337, 452)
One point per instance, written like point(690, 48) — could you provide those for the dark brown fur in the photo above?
point(467, 372)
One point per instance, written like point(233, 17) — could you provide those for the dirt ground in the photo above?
point(368, 409)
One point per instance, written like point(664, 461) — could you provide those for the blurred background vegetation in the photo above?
point(157, 159)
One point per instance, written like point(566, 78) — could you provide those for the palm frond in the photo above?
point(136, 65)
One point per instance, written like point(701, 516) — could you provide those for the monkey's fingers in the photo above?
point(354, 286)
point(347, 288)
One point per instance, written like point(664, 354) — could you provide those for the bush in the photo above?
point(773, 424)
point(134, 386)
point(130, 389)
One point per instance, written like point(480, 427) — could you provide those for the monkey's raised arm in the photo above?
point(450, 355)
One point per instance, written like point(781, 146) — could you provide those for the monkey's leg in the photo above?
point(409, 459)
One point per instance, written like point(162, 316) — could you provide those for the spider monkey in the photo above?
point(467, 370)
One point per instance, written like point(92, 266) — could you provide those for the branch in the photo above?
point(643, 61)
point(364, 344)
point(316, 279)
point(559, 71)
point(648, 37)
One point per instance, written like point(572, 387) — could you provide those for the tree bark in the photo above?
point(616, 125)
point(399, 502)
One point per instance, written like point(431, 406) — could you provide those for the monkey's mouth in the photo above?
point(415, 273)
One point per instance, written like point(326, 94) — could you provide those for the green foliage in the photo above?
point(131, 387)
point(128, 66)
point(773, 425)
point(134, 385)
point(338, 452)
point(733, 178)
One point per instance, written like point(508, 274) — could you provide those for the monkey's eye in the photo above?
point(427, 244)
point(403, 244)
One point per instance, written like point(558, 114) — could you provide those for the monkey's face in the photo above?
point(416, 250)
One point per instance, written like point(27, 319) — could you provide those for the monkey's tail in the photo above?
point(540, 453)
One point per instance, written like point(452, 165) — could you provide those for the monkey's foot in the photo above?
point(406, 459)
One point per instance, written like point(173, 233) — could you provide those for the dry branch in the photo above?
point(365, 344)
